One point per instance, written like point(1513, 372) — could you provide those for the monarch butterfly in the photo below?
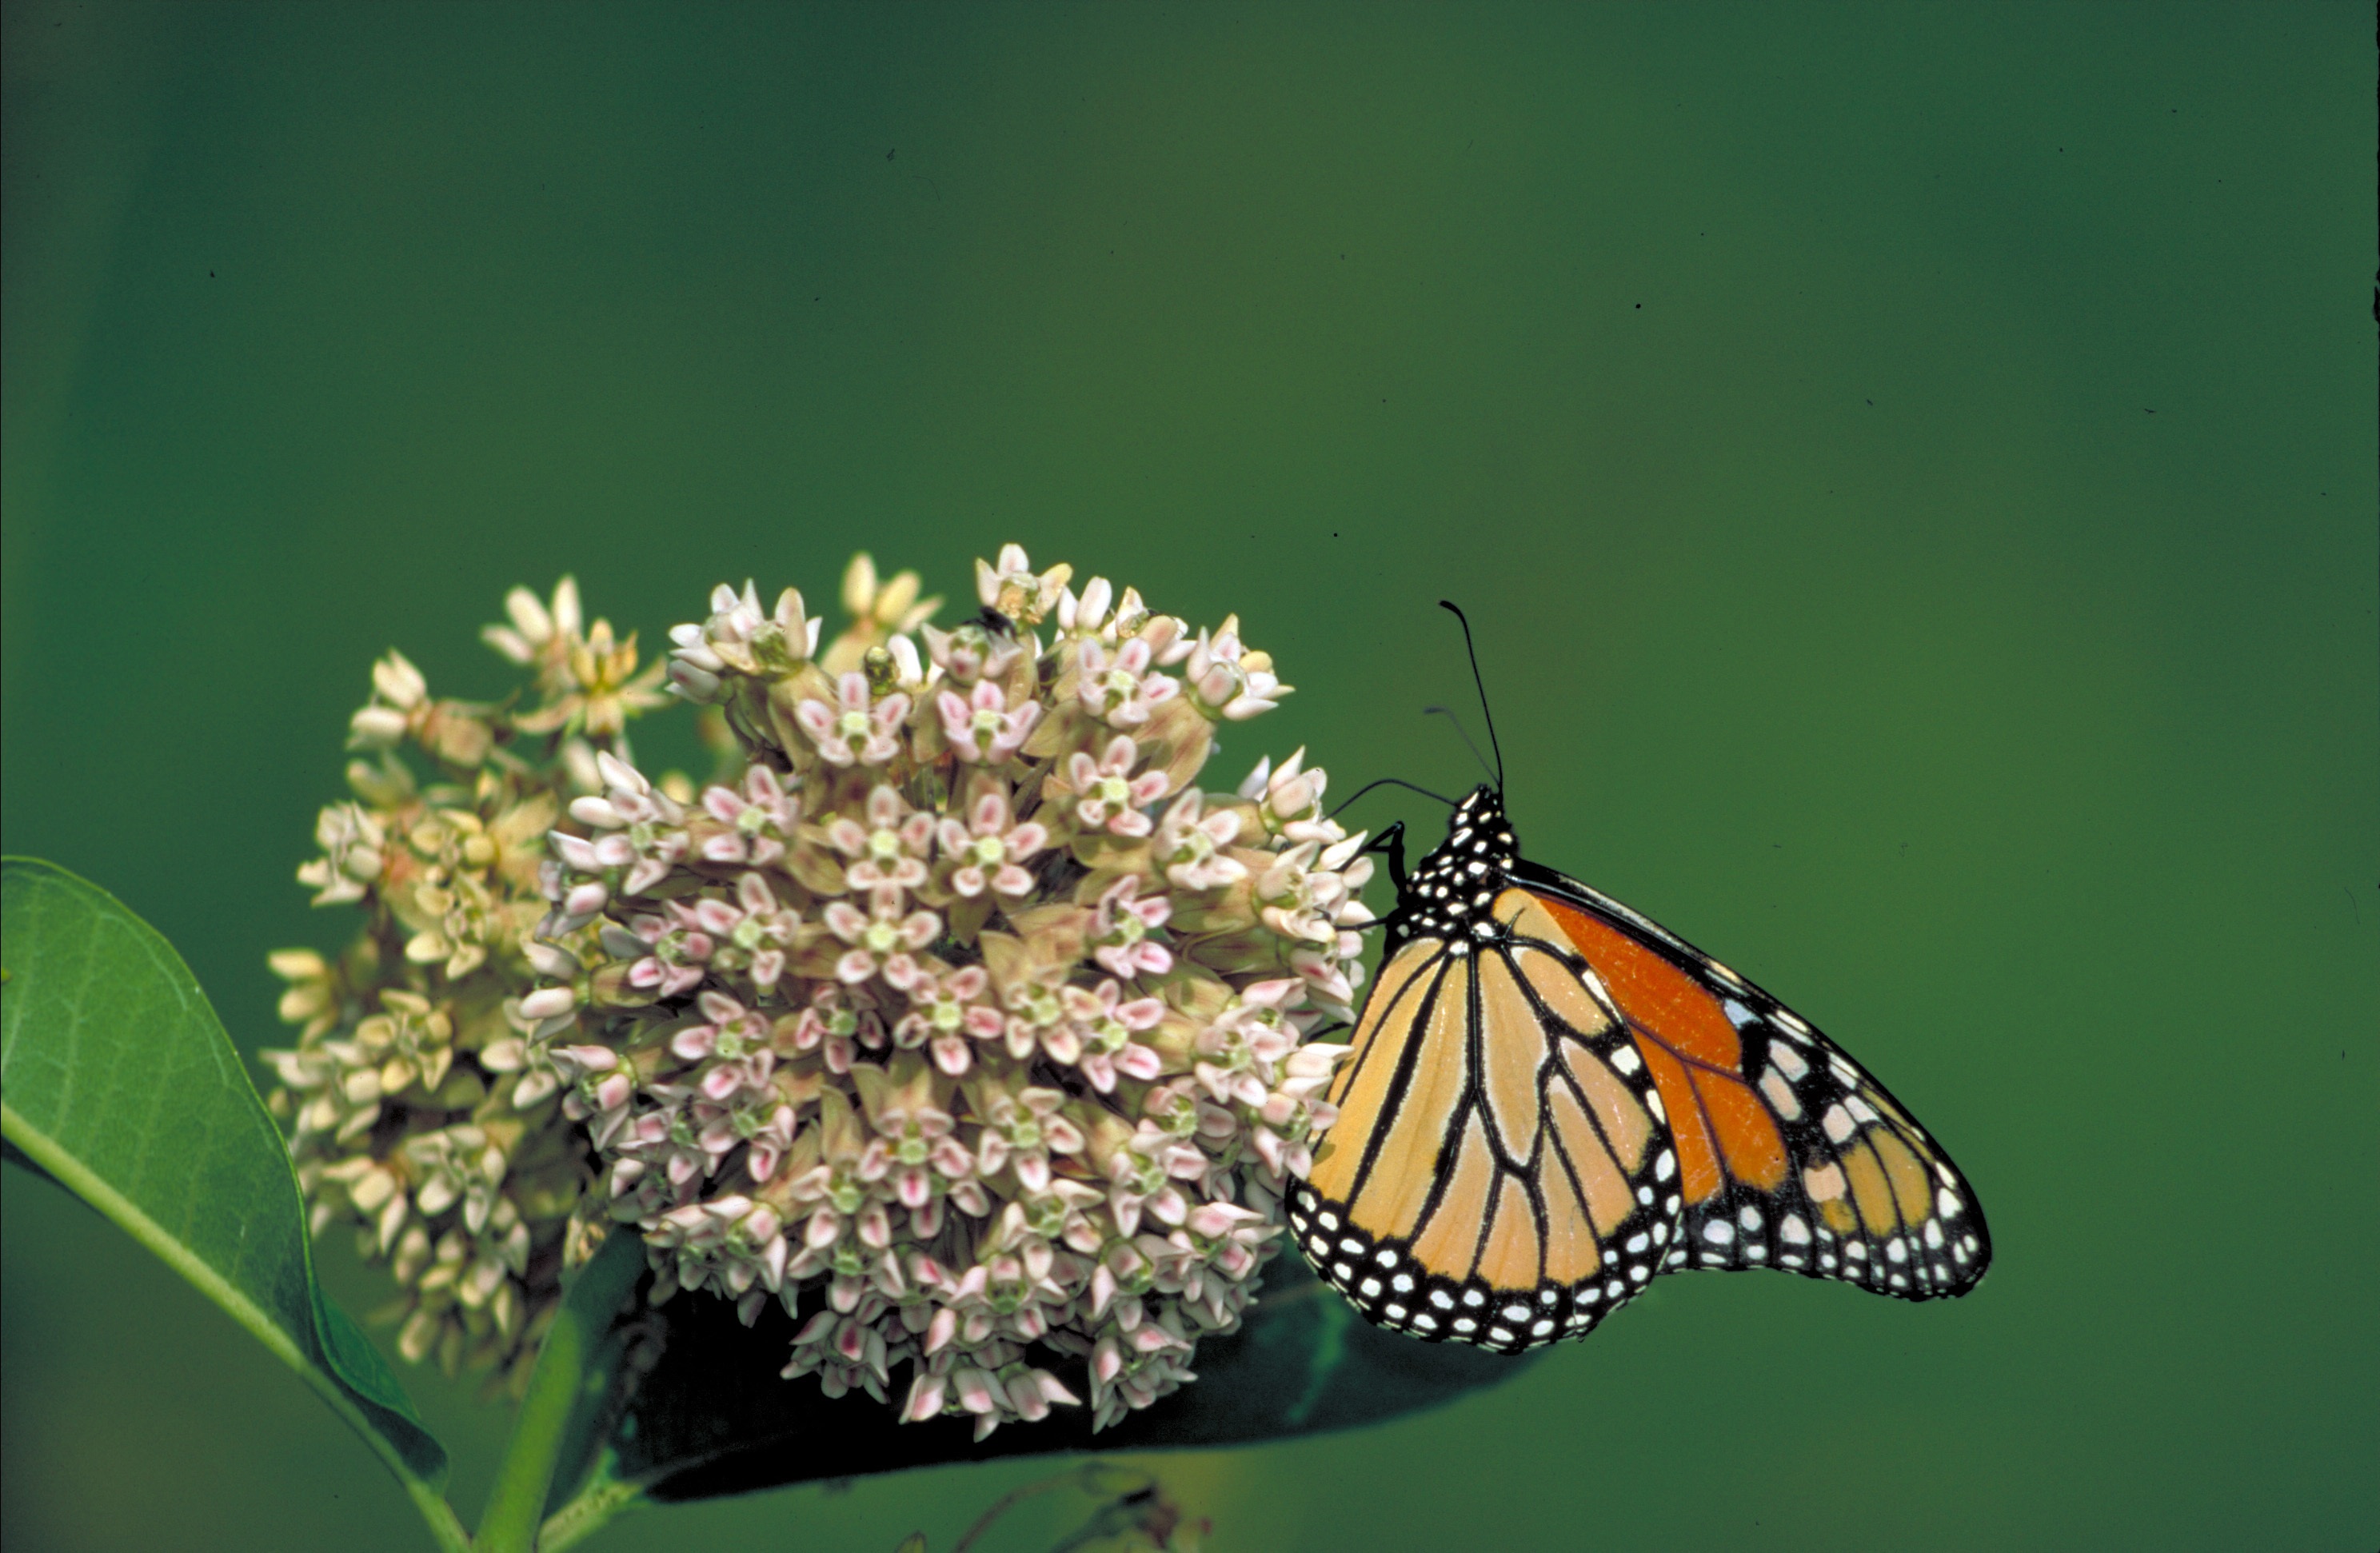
point(1550, 1099)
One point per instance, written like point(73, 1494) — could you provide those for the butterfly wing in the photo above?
point(1791, 1155)
point(1499, 1171)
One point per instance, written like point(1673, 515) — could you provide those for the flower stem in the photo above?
point(444, 1529)
point(587, 1514)
point(558, 1386)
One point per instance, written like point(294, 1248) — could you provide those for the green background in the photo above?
point(1911, 467)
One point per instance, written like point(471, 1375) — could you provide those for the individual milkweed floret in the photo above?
point(858, 727)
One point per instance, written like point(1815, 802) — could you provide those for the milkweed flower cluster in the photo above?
point(960, 1023)
point(418, 1110)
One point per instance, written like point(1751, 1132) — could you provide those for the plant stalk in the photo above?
point(444, 1529)
point(556, 1388)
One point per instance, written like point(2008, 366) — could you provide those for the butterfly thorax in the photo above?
point(1450, 893)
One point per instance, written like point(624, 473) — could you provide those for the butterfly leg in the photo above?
point(1391, 843)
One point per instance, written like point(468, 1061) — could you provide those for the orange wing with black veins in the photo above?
point(1790, 1154)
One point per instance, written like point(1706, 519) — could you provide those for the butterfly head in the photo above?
point(1451, 889)
point(1482, 806)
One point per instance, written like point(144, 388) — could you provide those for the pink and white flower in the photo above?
point(891, 848)
point(1104, 1023)
point(981, 726)
point(1119, 687)
point(1122, 925)
point(1011, 588)
point(761, 819)
point(857, 728)
point(882, 939)
point(1109, 796)
point(1023, 1129)
point(971, 653)
point(1228, 681)
point(949, 1014)
point(1190, 845)
point(989, 849)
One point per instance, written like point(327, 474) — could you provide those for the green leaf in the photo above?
point(712, 1417)
point(118, 1081)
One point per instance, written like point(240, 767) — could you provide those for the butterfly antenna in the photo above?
point(1391, 782)
point(1481, 685)
point(1464, 735)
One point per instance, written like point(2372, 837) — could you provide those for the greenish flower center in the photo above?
point(1006, 1294)
point(768, 646)
point(1180, 1117)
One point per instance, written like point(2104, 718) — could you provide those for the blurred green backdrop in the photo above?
point(1913, 468)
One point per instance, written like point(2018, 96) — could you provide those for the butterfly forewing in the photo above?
point(1791, 1155)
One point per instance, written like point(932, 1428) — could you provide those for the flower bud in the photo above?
point(398, 682)
point(376, 728)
